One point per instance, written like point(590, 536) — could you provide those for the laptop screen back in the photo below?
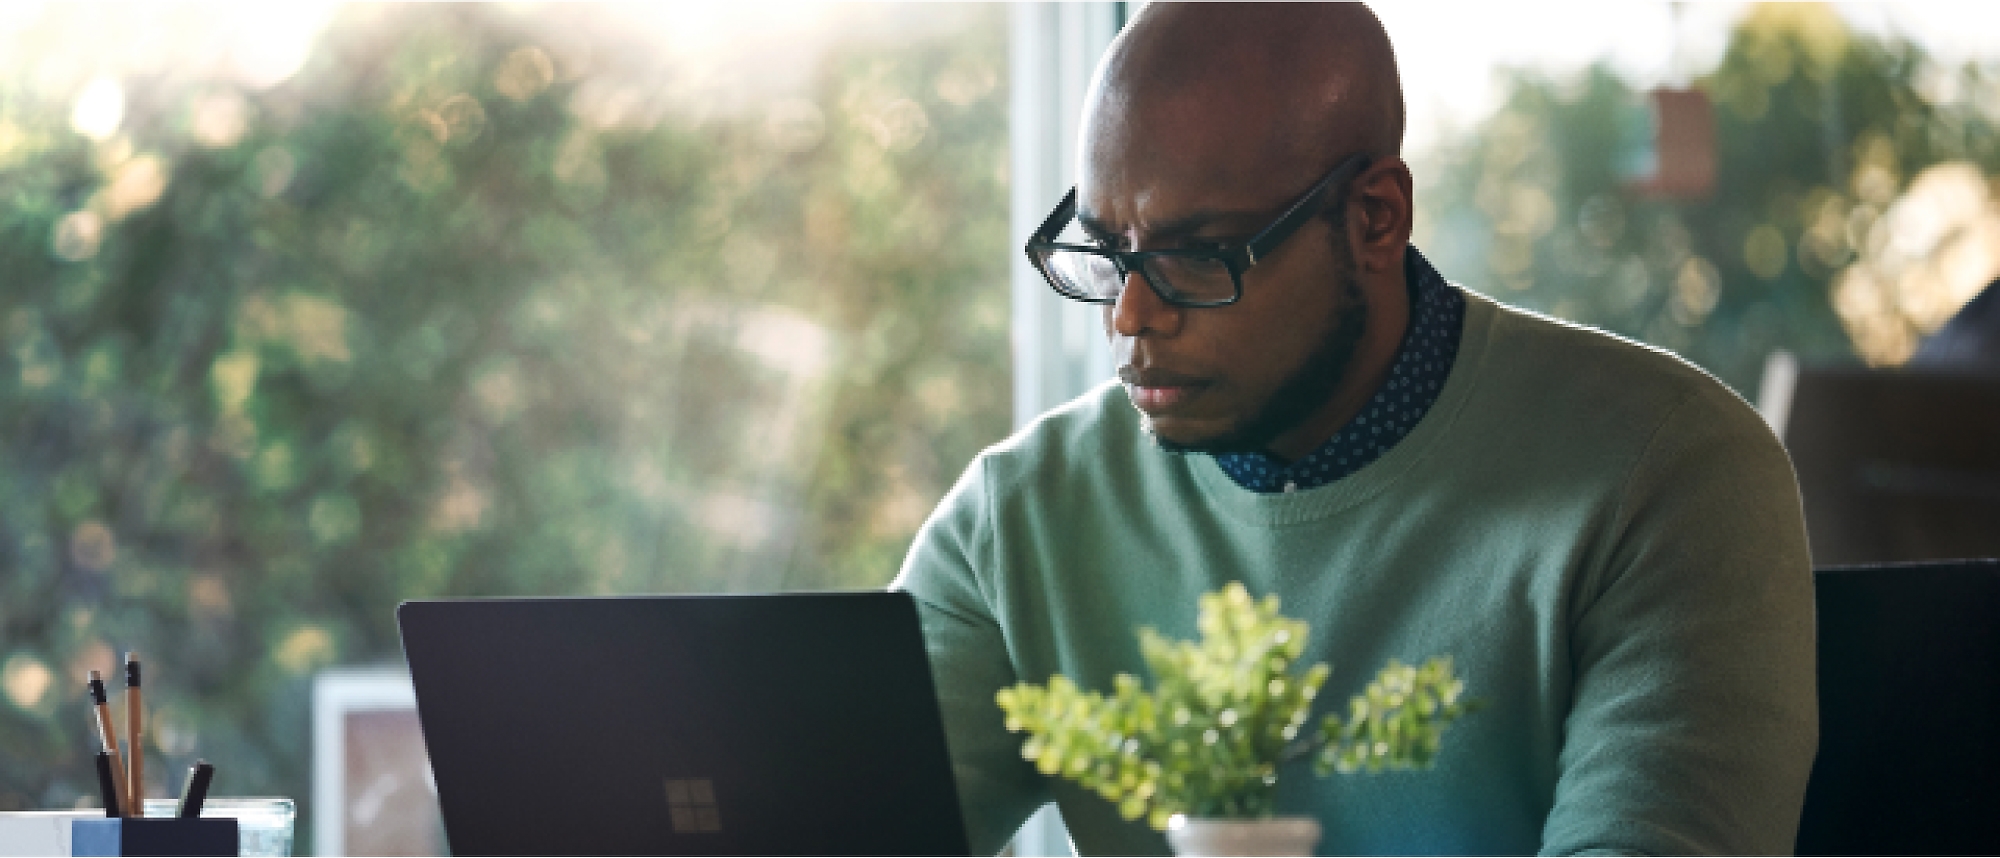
point(717, 725)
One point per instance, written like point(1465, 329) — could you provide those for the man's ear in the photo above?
point(1385, 196)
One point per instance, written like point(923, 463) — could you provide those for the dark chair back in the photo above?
point(1909, 685)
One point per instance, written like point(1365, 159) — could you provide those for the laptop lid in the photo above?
point(665, 725)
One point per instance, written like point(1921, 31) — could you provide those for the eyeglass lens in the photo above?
point(1194, 279)
point(1085, 275)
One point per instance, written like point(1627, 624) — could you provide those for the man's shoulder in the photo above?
point(1079, 436)
point(1567, 366)
point(1559, 397)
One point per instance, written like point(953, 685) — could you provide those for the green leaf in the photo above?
point(1233, 700)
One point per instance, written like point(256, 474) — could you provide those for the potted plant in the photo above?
point(1199, 755)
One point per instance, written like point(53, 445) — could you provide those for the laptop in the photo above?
point(785, 724)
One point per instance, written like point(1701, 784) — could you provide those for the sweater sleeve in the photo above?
point(1694, 719)
point(952, 554)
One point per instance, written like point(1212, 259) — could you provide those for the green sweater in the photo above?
point(1607, 542)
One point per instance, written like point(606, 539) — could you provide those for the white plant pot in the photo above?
point(1277, 835)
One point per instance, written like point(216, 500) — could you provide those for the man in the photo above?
point(1606, 540)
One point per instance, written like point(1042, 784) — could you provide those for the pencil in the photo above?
point(135, 723)
point(195, 790)
point(107, 732)
point(108, 786)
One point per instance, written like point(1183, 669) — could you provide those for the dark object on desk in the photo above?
point(1896, 465)
point(152, 837)
point(717, 725)
point(1909, 689)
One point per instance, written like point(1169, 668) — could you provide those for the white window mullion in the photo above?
point(1059, 348)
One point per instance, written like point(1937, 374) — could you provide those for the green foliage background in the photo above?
point(1818, 128)
point(429, 326)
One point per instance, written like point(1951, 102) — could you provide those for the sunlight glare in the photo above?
point(62, 46)
point(100, 109)
point(273, 40)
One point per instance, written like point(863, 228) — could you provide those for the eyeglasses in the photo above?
point(1195, 277)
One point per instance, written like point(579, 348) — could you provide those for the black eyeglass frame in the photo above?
point(1237, 259)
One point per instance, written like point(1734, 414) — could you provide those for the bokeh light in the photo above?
point(26, 680)
point(1936, 246)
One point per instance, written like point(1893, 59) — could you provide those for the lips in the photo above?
point(1155, 390)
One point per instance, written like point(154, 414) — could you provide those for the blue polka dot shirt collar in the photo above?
point(1415, 379)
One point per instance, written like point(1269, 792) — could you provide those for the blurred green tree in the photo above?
point(457, 312)
point(1818, 128)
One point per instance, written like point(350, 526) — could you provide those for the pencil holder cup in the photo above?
point(263, 825)
point(152, 837)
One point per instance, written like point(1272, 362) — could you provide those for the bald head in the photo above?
point(1283, 87)
point(1206, 124)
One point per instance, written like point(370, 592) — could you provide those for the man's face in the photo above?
point(1242, 377)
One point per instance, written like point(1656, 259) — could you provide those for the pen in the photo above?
point(135, 720)
point(107, 786)
point(108, 734)
point(195, 790)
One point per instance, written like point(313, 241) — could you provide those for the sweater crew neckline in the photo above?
point(1306, 505)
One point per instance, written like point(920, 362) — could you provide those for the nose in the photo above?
point(1139, 311)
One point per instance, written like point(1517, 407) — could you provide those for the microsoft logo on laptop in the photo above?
point(691, 806)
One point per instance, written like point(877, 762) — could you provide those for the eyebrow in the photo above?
point(1184, 225)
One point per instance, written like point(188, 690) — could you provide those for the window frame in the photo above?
point(1058, 350)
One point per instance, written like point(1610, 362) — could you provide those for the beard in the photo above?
point(1305, 390)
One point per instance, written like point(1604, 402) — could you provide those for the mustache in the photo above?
point(1137, 377)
